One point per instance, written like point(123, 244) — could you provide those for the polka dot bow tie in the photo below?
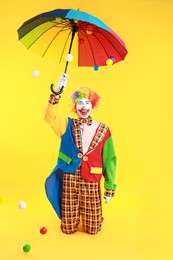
point(81, 121)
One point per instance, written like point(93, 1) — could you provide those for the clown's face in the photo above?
point(83, 108)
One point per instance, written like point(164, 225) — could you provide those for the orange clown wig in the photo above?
point(84, 92)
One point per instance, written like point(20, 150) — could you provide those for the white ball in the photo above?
point(69, 57)
point(35, 73)
point(22, 205)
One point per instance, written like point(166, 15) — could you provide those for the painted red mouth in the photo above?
point(84, 112)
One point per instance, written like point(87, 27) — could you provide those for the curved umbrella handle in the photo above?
point(56, 92)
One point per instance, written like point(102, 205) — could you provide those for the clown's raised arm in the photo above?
point(52, 116)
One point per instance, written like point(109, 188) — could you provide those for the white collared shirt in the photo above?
point(87, 134)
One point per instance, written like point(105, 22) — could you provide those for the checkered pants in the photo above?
point(80, 198)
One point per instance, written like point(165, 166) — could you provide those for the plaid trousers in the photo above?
point(80, 198)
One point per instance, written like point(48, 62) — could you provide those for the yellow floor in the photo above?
point(134, 228)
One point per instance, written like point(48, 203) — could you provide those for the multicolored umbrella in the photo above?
point(52, 35)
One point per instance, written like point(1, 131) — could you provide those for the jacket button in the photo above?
point(80, 155)
point(85, 158)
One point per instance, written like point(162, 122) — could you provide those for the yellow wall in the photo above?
point(136, 104)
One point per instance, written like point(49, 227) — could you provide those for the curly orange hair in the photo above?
point(84, 92)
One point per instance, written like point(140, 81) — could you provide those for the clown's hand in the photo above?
point(107, 199)
point(62, 82)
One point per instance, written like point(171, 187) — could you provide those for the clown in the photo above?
point(86, 154)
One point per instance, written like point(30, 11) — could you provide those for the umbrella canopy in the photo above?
point(53, 35)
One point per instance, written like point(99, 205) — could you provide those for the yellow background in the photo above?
point(136, 104)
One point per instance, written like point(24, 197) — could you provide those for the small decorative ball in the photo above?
point(69, 57)
point(22, 205)
point(43, 230)
point(35, 73)
point(26, 248)
point(89, 31)
point(80, 40)
point(112, 58)
point(96, 67)
point(109, 62)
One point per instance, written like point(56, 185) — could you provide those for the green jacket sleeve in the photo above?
point(109, 164)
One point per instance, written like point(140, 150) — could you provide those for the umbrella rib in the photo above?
point(54, 39)
point(43, 34)
point(92, 51)
point(64, 47)
point(110, 43)
point(90, 46)
point(102, 45)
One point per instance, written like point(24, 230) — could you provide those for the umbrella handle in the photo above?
point(56, 92)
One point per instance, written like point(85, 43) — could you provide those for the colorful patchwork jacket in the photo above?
point(100, 160)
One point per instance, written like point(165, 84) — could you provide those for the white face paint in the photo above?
point(84, 108)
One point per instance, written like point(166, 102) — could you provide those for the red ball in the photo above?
point(80, 40)
point(43, 230)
